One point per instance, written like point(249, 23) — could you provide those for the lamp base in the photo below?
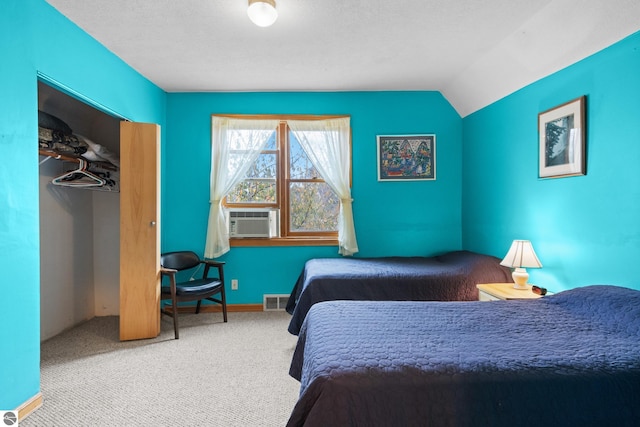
point(520, 277)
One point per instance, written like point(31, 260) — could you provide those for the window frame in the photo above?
point(287, 238)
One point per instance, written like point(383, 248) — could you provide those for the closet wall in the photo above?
point(79, 228)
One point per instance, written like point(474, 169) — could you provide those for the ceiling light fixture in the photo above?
point(262, 12)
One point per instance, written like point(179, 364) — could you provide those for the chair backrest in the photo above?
point(181, 260)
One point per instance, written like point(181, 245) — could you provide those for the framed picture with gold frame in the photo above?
point(562, 145)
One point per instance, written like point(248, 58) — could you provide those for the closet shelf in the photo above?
point(58, 156)
point(75, 159)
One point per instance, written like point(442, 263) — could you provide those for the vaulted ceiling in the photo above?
point(473, 51)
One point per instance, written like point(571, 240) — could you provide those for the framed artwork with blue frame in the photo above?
point(406, 157)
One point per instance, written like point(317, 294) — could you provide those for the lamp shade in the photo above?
point(262, 12)
point(521, 254)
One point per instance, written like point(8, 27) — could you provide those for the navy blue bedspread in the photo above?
point(569, 359)
point(449, 277)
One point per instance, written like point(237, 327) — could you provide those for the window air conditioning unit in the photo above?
point(253, 222)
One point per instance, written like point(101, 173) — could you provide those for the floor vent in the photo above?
point(275, 302)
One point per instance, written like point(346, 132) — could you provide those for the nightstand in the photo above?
point(503, 291)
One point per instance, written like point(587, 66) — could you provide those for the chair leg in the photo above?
point(223, 298)
point(198, 306)
point(175, 319)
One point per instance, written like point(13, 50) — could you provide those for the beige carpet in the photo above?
point(216, 374)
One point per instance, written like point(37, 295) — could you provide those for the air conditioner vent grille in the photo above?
point(249, 214)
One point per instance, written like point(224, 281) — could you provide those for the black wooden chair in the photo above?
point(191, 290)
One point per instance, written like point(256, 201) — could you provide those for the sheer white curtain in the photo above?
point(326, 142)
point(235, 145)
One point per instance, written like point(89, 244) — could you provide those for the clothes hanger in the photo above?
point(79, 177)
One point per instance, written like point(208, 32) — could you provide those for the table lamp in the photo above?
point(521, 255)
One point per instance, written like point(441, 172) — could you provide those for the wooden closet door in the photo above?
point(139, 230)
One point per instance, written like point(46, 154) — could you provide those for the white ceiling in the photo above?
point(473, 51)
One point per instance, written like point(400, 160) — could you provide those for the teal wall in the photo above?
point(392, 218)
point(487, 193)
point(585, 229)
point(34, 38)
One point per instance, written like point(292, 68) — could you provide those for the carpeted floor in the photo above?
point(217, 374)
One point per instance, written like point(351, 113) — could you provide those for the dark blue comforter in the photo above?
point(449, 277)
point(570, 359)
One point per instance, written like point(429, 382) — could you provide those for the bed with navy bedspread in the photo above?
point(449, 277)
point(569, 359)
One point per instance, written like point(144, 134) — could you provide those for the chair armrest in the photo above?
point(171, 273)
point(168, 271)
point(215, 264)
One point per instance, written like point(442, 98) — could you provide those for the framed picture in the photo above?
point(562, 140)
point(406, 157)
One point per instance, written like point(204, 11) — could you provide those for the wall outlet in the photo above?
point(234, 284)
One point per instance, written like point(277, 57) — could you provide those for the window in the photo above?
point(299, 166)
point(283, 177)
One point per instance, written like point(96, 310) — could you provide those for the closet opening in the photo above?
point(79, 147)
